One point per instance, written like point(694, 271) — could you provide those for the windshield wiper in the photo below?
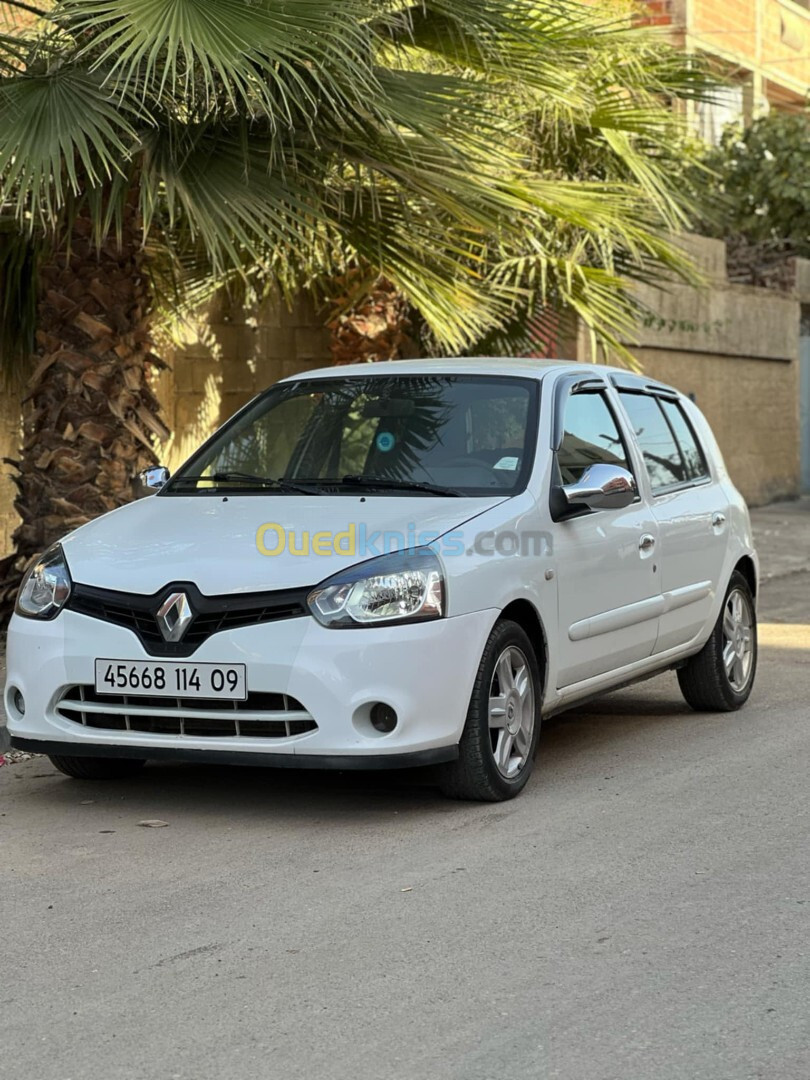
point(381, 483)
point(279, 483)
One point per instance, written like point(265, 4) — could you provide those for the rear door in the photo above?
point(607, 579)
point(690, 509)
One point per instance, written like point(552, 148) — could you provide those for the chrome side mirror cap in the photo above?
point(148, 481)
point(602, 487)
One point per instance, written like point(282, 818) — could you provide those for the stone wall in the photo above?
point(735, 349)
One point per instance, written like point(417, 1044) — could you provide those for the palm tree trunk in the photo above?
point(90, 415)
point(370, 329)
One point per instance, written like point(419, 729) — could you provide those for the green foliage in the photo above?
point(756, 184)
point(488, 157)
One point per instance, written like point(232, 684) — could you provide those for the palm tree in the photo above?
point(383, 144)
point(610, 155)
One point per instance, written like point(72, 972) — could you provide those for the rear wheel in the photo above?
point(721, 676)
point(497, 747)
point(97, 768)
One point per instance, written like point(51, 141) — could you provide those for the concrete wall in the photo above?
point(735, 348)
point(226, 358)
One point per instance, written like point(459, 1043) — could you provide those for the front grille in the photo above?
point(261, 716)
point(211, 614)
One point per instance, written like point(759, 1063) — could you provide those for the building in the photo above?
point(762, 49)
point(761, 46)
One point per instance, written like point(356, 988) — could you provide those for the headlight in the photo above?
point(45, 587)
point(405, 586)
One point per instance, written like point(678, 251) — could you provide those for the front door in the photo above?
point(607, 572)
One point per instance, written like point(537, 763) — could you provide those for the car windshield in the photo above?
point(379, 434)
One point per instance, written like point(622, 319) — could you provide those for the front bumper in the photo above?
point(424, 671)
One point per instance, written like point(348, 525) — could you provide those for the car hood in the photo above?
point(212, 540)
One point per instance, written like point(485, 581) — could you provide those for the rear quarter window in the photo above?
point(691, 450)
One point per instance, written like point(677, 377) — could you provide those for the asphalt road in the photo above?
point(640, 913)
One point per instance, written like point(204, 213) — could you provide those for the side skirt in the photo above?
point(629, 676)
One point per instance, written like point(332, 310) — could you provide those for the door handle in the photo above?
point(718, 519)
point(646, 543)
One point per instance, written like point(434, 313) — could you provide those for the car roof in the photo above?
point(526, 367)
point(452, 365)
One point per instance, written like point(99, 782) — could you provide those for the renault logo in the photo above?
point(173, 616)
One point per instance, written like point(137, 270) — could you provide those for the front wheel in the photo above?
point(96, 768)
point(720, 677)
point(497, 747)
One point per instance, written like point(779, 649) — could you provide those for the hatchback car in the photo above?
point(400, 564)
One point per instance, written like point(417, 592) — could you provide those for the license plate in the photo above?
point(167, 678)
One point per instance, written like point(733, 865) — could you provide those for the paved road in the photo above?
point(640, 913)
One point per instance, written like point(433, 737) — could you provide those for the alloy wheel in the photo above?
point(511, 711)
point(738, 640)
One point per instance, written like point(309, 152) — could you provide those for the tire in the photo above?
point(720, 677)
point(491, 767)
point(97, 768)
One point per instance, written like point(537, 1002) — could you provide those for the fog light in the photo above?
point(383, 717)
point(18, 701)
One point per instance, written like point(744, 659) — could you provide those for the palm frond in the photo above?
point(266, 57)
point(60, 133)
point(499, 39)
point(489, 157)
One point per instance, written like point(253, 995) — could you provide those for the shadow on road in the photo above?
point(624, 728)
point(576, 740)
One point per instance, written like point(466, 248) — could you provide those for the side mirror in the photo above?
point(602, 487)
point(148, 481)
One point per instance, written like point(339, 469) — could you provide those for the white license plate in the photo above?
point(167, 678)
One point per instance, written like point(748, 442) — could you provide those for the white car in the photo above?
point(389, 565)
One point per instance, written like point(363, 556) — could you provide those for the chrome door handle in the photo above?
point(646, 543)
point(718, 519)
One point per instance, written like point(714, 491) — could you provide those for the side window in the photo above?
point(693, 456)
point(662, 455)
point(591, 437)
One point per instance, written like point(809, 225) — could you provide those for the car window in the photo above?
point(691, 450)
point(590, 437)
point(470, 433)
point(498, 422)
point(662, 455)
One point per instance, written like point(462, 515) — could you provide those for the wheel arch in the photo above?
point(747, 568)
point(525, 614)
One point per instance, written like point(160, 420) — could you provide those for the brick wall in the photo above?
point(770, 38)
